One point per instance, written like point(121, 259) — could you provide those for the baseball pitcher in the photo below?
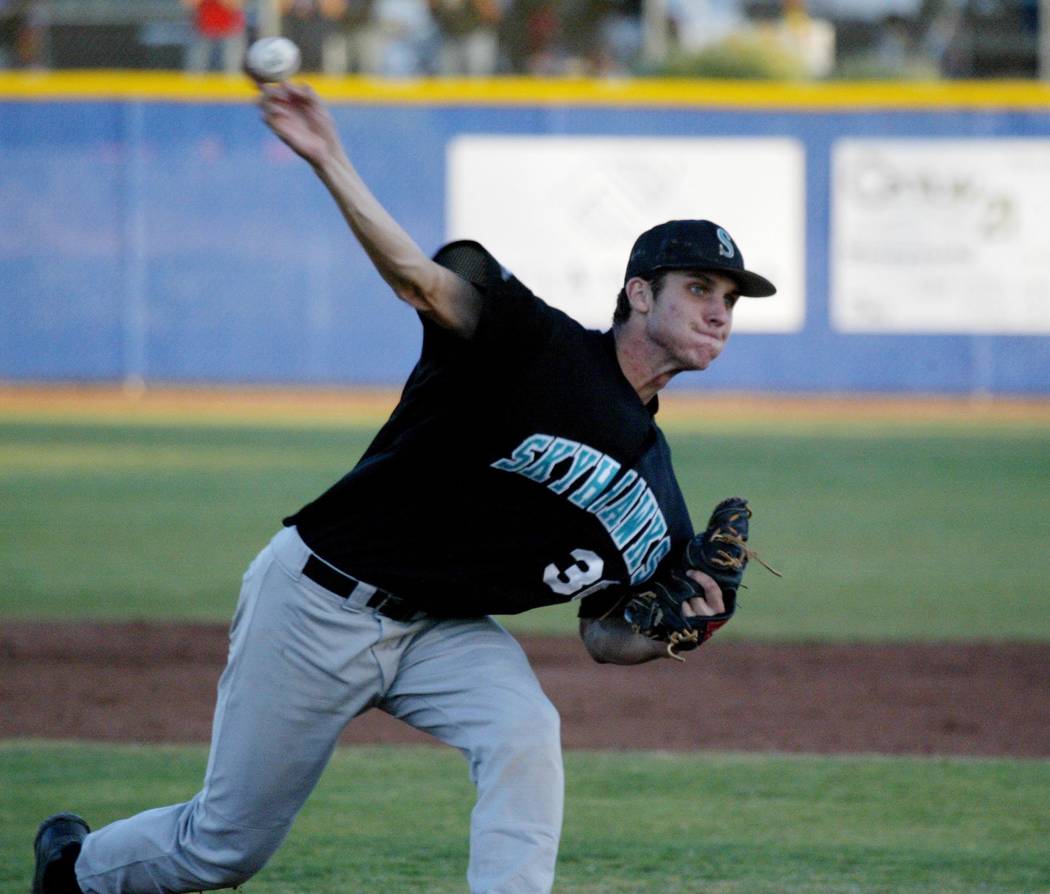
point(522, 467)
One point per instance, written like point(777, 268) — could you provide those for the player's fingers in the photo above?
point(274, 107)
point(712, 599)
point(303, 90)
point(695, 607)
point(271, 91)
point(271, 114)
point(301, 94)
point(276, 98)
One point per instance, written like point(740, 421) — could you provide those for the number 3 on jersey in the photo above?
point(584, 570)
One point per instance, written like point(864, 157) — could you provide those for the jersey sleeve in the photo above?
point(513, 320)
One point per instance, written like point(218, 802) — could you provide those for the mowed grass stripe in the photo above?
point(886, 535)
point(79, 446)
point(397, 819)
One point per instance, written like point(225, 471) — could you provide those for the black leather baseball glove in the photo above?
point(720, 551)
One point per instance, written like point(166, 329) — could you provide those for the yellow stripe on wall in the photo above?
point(178, 87)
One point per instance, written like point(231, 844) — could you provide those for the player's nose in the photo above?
point(716, 311)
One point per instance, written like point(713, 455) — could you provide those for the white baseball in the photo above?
point(272, 59)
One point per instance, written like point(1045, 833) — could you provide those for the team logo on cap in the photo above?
point(726, 249)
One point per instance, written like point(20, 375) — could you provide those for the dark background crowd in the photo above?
point(855, 39)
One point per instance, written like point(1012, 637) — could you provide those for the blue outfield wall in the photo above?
point(171, 240)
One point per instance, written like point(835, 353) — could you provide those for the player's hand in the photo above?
point(680, 608)
point(300, 119)
point(711, 603)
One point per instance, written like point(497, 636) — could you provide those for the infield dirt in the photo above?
point(156, 683)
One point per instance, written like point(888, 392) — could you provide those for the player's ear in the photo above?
point(639, 294)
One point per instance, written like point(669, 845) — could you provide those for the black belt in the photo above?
point(332, 579)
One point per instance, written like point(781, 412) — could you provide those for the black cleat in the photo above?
point(57, 846)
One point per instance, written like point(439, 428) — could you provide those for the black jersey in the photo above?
point(519, 468)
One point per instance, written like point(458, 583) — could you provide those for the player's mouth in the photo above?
point(710, 338)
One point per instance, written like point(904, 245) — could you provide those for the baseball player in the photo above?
point(522, 467)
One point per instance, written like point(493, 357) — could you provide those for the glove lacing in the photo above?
point(680, 637)
point(736, 560)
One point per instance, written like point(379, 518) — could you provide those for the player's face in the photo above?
point(691, 317)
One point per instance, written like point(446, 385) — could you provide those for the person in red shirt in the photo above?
point(219, 36)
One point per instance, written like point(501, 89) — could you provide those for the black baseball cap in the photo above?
point(694, 245)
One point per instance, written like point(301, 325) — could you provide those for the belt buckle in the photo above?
point(379, 600)
point(388, 604)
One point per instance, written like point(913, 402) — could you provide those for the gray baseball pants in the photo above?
point(303, 662)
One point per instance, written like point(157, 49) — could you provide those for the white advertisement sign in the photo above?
point(562, 213)
point(941, 236)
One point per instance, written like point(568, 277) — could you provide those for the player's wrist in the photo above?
point(331, 163)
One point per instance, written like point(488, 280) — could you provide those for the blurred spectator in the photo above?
point(571, 37)
point(897, 41)
point(399, 39)
point(18, 34)
point(700, 23)
point(994, 39)
point(619, 40)
point(345, 49)
point(219, 36)
point(580, 41)
point(468, 30)
point(530, 38)
point(323, 31)
point(941, 18)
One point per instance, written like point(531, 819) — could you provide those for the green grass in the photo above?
point(882, 533)
point(396, 820)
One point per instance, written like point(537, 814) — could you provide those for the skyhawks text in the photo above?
point(624, 504)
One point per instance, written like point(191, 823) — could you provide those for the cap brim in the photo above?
point(751, 285)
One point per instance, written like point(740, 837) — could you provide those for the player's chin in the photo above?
point(702, 356)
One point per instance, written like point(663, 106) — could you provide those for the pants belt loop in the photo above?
point(362, 593)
